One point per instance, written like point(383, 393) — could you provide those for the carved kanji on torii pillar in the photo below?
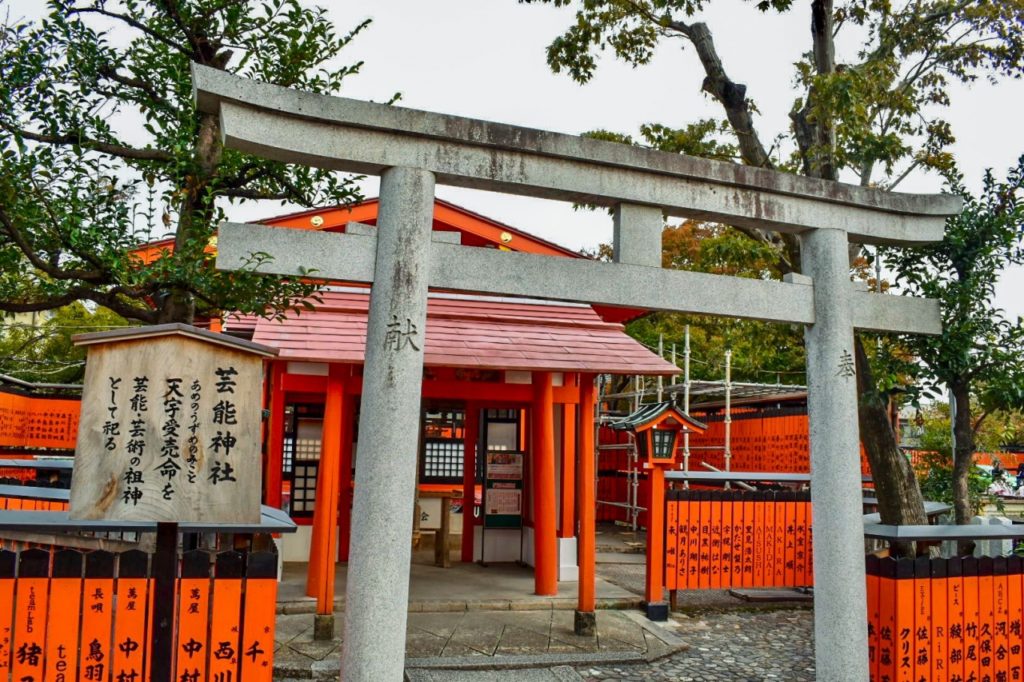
point(413, 150)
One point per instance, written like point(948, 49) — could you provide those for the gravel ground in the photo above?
point(733, 645)
point(728, 640)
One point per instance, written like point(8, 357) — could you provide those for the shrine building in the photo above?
point(507, 409)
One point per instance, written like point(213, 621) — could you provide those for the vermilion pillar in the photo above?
point(586, 620)
point(567, 522)
point(275, 437)
point(345, 478)
point(325, 513)
point(545, 539)
point(472, 428)
point(654, 589)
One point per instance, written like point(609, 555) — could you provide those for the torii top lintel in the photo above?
point(351, 135)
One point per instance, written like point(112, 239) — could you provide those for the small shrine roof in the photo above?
point(652, 411)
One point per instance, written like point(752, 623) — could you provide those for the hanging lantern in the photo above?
point(657, 427)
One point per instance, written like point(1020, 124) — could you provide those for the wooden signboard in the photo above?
point(170, 427)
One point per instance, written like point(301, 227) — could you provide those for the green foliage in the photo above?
point(892, 95)
point(707, 138)
point(935, 476)
point(979, 346)
point(630, 29)
point(876, 109)
point(41, 350)
point(883, 102)
point(761, 352)
point(935, 471)
point(81, 185)
point(979, 356)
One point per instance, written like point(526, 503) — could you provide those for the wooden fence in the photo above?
point(732, 539)
point(223, 632)
point(945, 619)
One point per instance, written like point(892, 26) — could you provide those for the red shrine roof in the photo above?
point(466, 331)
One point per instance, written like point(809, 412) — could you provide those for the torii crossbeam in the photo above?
point(412, 150)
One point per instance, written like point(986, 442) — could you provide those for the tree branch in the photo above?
point(979, 421)
point(118, 150)
point(903, 176)
point(172, 10)
point(108, 299)
point(243, 178)
point(111, 73)
point(51, 270)
point(731, 95)
point(138, 25)
point(243, 193)
point(50, 303)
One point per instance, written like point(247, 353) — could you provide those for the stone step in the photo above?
point(441, 606)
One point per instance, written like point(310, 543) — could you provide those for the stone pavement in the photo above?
point(472, 640)
point(736, 645)
point(741, 645)
point(461, 587)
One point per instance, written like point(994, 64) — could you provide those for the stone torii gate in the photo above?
point(412, 150)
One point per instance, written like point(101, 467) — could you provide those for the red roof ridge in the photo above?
point(526, 319)
point(358, 307)
point(516, 231)
point(505, 226)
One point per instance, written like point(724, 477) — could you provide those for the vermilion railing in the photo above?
point(734, 539)
point(223, 630)
point(36, 422)
point(945, 619)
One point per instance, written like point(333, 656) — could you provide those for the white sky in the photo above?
point(486, 59)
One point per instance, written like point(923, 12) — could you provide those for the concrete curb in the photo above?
point(662, 642)
point(561, 673)
point(540, 660)
point(522, 662)
point(445, 606)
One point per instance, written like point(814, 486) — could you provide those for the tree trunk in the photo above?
point(195, 215)
point(899, 496)
point(730, 94)
point(963, 453)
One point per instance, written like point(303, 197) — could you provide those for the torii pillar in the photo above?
point(377, 593)
point(835, 460)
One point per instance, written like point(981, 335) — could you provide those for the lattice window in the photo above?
point(304, 488)
point(444, 429)
point(301, 421)
point(442, 460)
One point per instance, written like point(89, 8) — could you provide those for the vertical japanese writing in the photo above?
point(136, 447)
point(94, 665)
point(224, 415)
point(129, 647)
point(170, 450)
point(191, 460)
point(396, 338)
point(112, 427)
